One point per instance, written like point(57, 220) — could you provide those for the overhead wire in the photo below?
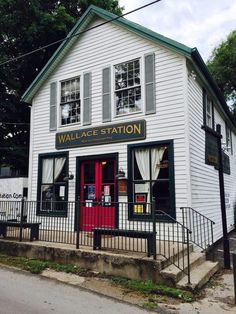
point(77, 34)
point(59, 41)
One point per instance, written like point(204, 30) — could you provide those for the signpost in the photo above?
point(216, 157)
point(222, 201)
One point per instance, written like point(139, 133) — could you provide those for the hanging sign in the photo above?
point(211, 150)
point(129, 131)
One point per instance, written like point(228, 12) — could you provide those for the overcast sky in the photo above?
point(195, 23)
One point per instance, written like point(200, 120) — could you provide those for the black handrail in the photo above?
point(178, 235)
point(201, 227)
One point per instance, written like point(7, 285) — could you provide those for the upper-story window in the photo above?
point(70, 101)
point(208, 111)
point(128, 87)
point(228, 135)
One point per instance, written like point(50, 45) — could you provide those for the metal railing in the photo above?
point(201, 227)
point(173, 242)
point(113, 226)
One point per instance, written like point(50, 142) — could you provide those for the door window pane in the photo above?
point(108, 171)
point(89, 173)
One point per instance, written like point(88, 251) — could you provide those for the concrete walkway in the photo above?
point(218, 299)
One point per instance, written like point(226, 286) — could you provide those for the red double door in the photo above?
point(97, 194)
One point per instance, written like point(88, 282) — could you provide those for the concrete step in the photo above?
point(199, 276)
point(174, 274)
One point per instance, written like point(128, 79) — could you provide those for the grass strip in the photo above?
point(36, 266)
point(149, 287)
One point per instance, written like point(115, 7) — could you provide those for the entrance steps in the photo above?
point(201, 270)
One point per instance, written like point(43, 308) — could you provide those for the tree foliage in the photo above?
point(25, 26)
point(222, 65)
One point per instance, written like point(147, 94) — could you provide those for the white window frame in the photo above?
point(80, 101)
point(113, 99)
point(209, 115)
point(228, 138)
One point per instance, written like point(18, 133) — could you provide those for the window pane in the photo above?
point(209, 112)
point(159, 161)
point(108, 194)
point(128, 98)
point(155, 160)
point(47, 170)
point(70, 101)
point(47, 197)
point(89, 192)
point(136, 171)
point(59, 169)
point(108, 171)
point(70, 113)
point(89, 173)
point(160, 191)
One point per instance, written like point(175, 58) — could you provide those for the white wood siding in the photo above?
point(95, 50)
point(204, 178)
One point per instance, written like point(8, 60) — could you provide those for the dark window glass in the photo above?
point(89, 173)
point(108, 171)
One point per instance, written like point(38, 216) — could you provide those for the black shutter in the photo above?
point(87, 99)
point(150, 83)
point(53, 107)
point(106, 94)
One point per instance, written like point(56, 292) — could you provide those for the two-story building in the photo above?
point(119, 99)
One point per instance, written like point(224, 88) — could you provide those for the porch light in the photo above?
point(120, 174)
point(69, 177)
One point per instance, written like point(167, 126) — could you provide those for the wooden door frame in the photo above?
point(80, 159)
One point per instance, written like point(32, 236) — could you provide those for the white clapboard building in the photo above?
point(123, 114)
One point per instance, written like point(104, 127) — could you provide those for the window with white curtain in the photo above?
point(52, 186)
point(152, 179)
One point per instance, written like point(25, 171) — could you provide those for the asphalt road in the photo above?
point(23, 293)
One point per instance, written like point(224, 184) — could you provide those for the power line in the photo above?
point(13, 123)
point(79, 33)
point(13, 148)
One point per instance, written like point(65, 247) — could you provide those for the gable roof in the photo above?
point(191, 53)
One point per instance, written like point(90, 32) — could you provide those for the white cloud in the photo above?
point(196, 23)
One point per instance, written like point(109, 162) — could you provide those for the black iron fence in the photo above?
point(120, 226)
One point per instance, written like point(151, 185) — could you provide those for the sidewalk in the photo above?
point(218, 299)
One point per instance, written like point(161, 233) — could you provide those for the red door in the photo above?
point(97, 194)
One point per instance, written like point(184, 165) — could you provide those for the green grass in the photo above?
point(149, 287)
point(36, 266)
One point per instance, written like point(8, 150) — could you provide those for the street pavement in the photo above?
point(23, 293)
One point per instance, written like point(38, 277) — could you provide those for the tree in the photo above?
point(27, 25)
point(222, 66)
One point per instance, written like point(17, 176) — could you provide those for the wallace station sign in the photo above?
point(121, 132)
